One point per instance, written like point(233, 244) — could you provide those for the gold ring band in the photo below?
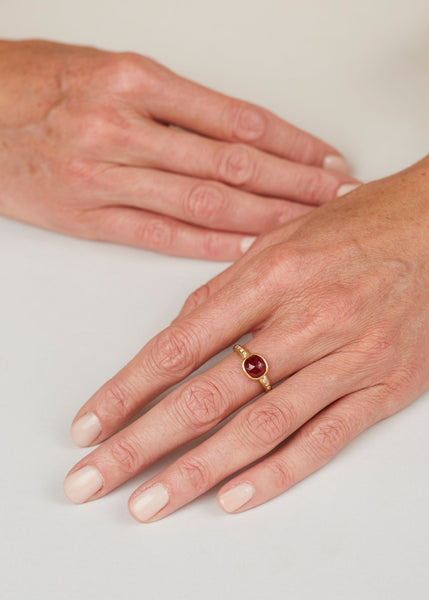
point(255, 366)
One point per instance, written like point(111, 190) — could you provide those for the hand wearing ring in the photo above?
point(338, 301)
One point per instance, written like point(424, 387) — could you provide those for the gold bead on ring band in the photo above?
point(255, 366)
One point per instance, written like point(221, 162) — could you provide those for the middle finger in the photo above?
point(206, 203)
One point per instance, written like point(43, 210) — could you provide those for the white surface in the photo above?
point(72, 312)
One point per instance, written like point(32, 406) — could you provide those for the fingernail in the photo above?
point(85, 430)
point(333, 162)
point(236, 497)
point(246, 242)
point(82, 484)
point(346, 188)
point(145, 506)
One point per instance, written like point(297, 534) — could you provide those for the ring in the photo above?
point(255, 366)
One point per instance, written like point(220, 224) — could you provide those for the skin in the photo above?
point(86, 149)
point(337, 301)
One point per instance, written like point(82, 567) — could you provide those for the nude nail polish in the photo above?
point(246, 242)
point(149, 502)
point(85, 430)
point(346, 188)
point(236, 497)
point(82, 484)
point(333, 162)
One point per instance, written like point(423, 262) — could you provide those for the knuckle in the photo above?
point(283, 263)
point(328, 436)
point(196, 298)
point(213, 244)
point(303, 147)
point(91, 129)
point(337, 306)
point(176, 351)
point(94, 127)
point(343, 304)
point(115, 402)
point(405, 377)
point(284, 213)
point(80, 174)
point(383, 400)
point(88, 126)
point(277, 258)
point(248, 123)
point(125, 452)
point(204, 202)
point(279, 474)
point(121, 62)
point(323, 314)
point(156, 234)
point(236, 164)
point(317, 185)
point(266, 424)
point(377, 350)
point(195, 471)
point(376, 343)
point(124, 72)
point(200, 405)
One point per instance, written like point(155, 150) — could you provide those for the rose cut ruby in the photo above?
point(255, 366)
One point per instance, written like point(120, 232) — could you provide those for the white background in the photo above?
point(73, 312)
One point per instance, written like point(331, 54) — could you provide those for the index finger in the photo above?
point(170, 357)
point(195, 107)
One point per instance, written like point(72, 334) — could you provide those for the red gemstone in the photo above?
point(255, 366)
